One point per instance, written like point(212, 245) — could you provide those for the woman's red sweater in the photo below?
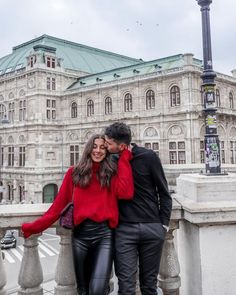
point(94, 202)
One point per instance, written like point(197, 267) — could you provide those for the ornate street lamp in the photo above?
point(211, 139)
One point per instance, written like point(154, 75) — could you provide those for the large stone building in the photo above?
point(55, 93)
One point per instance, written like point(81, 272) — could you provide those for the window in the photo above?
point(21, 156)
point(152, 145)
point(74, 154)
point(231, 100)
point(10, 192)
point(128, 102)
point(1, 156)
point(233, 152)
point(90, 108)
point(32, 60)
point(21, 193)
point(51, 62)
point(11, 111)
point(51, 83)
point(74, 110)
point(11, 156)
point(22, 110)
point(217, 97)
point(177, 152)
point(108, 105)
point(150, 99)
point(174, 96)
point(222, 151)
point(202, 152)
point(51, 109)
point(2, 111)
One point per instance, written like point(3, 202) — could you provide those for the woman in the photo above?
point(95, 186)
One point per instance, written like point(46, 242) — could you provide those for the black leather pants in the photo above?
point(92, 247)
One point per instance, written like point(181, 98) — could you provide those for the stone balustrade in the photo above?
point(30, 277)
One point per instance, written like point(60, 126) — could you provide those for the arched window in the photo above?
point(231, 100)
point(217, 97)
point(49, 192)
point(108, 105)
point(90, 108)
point(74, 110)
point(174, 96)
point(128, 106)
point(150, 99)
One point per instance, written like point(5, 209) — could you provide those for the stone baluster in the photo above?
point(169, 279)
point(3, 278)
point(65, 276)
point(31, 274)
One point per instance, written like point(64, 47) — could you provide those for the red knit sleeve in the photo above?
point(63, 197)
point(123, 181)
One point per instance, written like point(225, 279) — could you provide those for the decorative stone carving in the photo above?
point(176, 130)
point(73, 137)
point(11, 95)
point(10, 139)
point(22, 93)
point(31, 83)
point(150, 132)
point(232, 133)
point(21, 138)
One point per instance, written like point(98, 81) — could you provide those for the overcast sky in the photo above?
point(147, 29)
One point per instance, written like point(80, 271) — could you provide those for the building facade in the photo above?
point(55, 93)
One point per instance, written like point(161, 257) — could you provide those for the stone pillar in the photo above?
point(3, 278)
point(65, 276)
point(206, 236)
point(31, 274)
point(169, 279)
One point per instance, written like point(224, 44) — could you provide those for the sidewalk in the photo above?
point(48, 288)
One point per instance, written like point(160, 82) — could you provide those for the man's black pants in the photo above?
point(143, 241)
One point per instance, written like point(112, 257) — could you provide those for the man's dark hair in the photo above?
point(120, 132)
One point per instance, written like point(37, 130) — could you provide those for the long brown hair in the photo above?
point(82, 173)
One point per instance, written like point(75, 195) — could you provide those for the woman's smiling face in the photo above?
point(99, 150)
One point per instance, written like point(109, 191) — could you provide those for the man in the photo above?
point(143, 222)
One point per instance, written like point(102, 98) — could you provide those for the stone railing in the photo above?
point(31, 277)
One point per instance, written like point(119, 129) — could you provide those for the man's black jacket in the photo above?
point(152, 201)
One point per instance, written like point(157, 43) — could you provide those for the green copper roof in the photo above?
point(75, 56)
point(143, 68)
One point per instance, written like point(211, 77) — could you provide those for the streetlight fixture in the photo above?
point(211, 138)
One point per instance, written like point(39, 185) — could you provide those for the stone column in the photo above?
point(3, 278)
point(31, 274)
point(206, 235)
point(169, 279)
point(65, 276)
